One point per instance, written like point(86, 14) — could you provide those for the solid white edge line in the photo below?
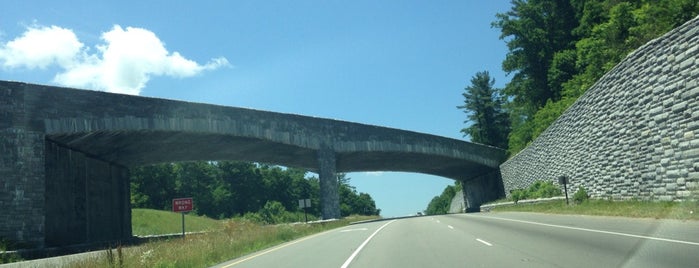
point(278, 247)
point(599, 231)
point(354, 254)
point(484, 242)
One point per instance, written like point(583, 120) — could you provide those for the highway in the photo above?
point(491, 240)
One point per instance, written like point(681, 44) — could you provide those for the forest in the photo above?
point(224, 189)
point(556, 51)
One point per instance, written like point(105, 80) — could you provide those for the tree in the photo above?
point(440, 204)
point(559, 49)
point(484, 106)
point(534, 31)
point(224, 189)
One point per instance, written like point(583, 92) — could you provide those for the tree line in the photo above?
point(556, 51)
point(224, 189)
point(440, 204)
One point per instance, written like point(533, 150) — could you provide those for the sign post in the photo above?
point(305, 203)
point(564, 180)
point(182, 205)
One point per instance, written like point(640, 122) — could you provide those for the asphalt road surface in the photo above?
point(491, 240)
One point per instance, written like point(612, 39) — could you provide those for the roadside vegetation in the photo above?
point(539, 189)
point(235, 238)
point(687, 210)
point(157, 222)
point(7, 258)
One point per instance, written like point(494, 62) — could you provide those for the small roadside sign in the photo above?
point(182, 204)
point(303, 204)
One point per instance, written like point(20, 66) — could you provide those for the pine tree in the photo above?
point(484, 106)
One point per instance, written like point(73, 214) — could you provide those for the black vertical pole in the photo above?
point(182, 225)
point(565, 188)
point(305, 214)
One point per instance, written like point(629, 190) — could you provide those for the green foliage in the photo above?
point(558, 49)
point(580, 195)
point(440, 204)
point(273, 212)
point(154, 222)
point(224, 189)
point(519, 194)
point(539, 189)
point(685, 210)
point(352, 202)
point(484, 105)
point(6, 245)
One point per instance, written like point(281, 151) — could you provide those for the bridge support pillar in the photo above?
point(482, 189)
point(22, 180)
point(329, 195)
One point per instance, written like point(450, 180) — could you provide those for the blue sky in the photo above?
point(400, 64)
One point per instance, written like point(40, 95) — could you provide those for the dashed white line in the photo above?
point(450, 227)
point(352, 230)
point(349, 260)
point(484, 242)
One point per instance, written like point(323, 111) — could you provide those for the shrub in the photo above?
point(540, 189)
point(518, 194)
point(580, 195)
point(544, 189)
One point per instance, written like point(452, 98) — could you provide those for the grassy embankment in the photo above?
point(226, 240)
point(640, 209)
point(152, 222)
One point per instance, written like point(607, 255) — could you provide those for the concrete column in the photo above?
point(22, 180)
point(482, 189)
point(22, 187)
point(329, 195)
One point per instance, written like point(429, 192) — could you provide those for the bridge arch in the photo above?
point(121, 131)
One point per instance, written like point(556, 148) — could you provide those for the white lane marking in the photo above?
point(600, 231)
point(352, 230)
point(351, 257)
point(273, 249)
point(438, 221)
point(450, 227)
point(484, 242)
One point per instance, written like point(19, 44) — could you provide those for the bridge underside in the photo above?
point(137, 148)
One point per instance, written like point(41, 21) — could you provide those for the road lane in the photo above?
point(584, 246)
point(494, 240)
point(327, 249)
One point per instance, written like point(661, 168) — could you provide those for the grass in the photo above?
point(236, 237)
point(687, 210)
point(154, 222)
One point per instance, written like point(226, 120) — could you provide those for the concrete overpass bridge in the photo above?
point(66, 154)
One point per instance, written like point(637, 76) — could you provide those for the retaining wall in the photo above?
point(634, 134)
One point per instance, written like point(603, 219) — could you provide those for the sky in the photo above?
point(398, 64)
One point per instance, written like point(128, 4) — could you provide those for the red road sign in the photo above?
point(182, 204)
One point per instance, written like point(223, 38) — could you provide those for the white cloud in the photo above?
point(40, 47)
point(123, 64)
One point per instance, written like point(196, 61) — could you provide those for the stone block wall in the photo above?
point(21, 174)
point(632, 135)
point(87, 199)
